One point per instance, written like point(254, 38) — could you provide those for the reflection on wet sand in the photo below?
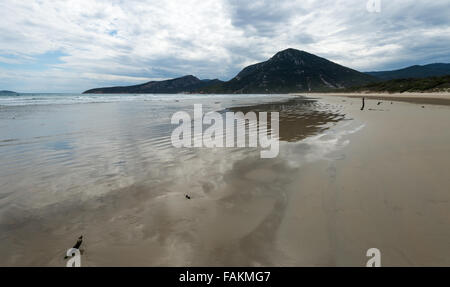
point(124, 190)
point(299, 117)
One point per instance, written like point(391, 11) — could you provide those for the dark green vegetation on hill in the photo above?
point(292, 71)
point(431, 70)
point(431, 84)
point(179, 85)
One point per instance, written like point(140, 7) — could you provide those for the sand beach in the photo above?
point(345, 181)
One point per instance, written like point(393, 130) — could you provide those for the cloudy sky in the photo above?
point(73, 45)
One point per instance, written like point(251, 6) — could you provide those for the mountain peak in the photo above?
point(294, 70)
point(291, 53)
point(187, 77)
point(297, 58)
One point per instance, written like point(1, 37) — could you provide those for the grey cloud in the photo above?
point(265, 17)
point(210, 39)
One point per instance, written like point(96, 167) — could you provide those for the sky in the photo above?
point(75, 45)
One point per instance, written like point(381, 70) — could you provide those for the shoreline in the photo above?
point(441, 98)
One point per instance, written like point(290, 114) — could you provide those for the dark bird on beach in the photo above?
point(379, 103)
point(188, 197)
point(77, 245)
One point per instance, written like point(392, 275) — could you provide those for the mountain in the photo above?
point(7, 93)
point(292, 71)
point(431, 70)
point(431, 84)
point(173, 86)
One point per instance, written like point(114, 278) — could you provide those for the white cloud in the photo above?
point(118, 42)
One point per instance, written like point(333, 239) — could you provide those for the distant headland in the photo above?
point(4, 92)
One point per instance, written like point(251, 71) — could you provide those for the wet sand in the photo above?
point(347, 181)
point(122, 186)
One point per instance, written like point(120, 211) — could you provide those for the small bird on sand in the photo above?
point(188, 197)
point(77, 244)
point(379, 103)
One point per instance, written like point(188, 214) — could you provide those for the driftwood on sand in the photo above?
point(77, 245)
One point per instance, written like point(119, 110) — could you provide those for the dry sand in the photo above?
point(441, 98)
point(389, 189)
